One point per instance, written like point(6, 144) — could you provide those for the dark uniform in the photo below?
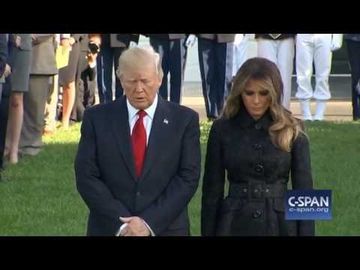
point(353, 49)
point(112, 46)
point(85, 82)
point(258, 173)
point(215, 61)
point(4, 96)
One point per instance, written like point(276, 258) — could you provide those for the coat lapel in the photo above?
point(158, 135)
point(121, 130)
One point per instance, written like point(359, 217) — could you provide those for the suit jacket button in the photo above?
point(138, 193)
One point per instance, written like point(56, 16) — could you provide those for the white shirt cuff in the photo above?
point(125, 224)
point(121, 228)
point(147, 226)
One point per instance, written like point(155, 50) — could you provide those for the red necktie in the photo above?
point(138, 138)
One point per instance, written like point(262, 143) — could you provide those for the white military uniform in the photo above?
point(243, 50)
point(280, 51)
point(315, 48)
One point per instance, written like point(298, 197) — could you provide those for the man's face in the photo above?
point(141, 85)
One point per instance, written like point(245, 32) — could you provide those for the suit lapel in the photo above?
point(158, 135)
point(121, 130)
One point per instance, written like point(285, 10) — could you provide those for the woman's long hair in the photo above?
point(285, 127)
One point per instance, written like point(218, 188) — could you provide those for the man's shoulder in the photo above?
point(96, 109)
point(180, 110)
point(103, 108)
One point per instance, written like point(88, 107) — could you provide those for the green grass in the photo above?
point(38, 196)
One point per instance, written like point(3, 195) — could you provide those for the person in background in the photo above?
point(280, 49)
point(52, 102)
point(5, 71)
point(216, 62)
point(353, 47)
point(86, 73)
point(317, 49)
point(112, 46)
point(173, 51)
point(67, 76)
point(43, 69)
point(20, 52)
point(242, 50)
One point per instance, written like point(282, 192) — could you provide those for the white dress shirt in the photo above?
point(148, 120)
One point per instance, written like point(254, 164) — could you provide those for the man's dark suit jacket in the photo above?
point(105, 174)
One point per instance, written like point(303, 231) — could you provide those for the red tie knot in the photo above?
point(141, 114)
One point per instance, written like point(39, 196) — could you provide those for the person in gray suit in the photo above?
point(215, 59)
point(20, 60)
point(43, 67)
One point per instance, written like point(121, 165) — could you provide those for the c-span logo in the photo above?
point(308, 205)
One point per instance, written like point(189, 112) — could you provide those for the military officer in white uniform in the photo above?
point(315, 48)
point(279, 48)
point(243, 50)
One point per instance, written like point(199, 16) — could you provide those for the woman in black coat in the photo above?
point(257, 144)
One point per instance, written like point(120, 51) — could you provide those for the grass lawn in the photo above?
point(38, 196)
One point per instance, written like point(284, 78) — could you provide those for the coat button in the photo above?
point(257, 213)
point(259, 168)
point(257, 146)
point(258, 126)
point(138, 193)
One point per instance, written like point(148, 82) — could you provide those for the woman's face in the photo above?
point(256, 99)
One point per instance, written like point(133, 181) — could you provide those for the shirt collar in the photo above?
point(150, 111)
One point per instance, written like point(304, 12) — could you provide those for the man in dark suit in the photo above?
point(141, 185)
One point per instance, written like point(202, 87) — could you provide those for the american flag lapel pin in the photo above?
point(166, 121)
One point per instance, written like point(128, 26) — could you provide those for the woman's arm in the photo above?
point(213, 182)
point(301, 177)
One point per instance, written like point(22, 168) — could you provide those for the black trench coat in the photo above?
point(258, 174)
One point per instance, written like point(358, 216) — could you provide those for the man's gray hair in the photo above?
point(137, 57)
